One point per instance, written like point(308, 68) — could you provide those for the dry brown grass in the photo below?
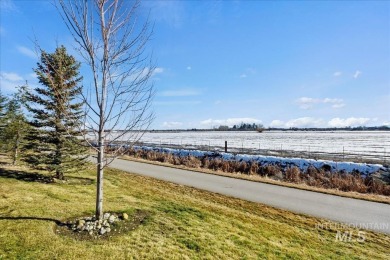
point(339, 183)
point(293, 174)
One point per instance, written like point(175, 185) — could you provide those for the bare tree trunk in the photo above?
point(99, 179)
point(16, 148)
point(15, 155)
point(57, 161)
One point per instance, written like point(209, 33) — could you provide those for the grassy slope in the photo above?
point(184, 223)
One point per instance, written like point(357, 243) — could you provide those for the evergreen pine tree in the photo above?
point(54, 142)
point(3, 103)
point(14, 129)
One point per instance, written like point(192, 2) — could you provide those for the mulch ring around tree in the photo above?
point(113, 224)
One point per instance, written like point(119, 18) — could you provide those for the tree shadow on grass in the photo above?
point(37, 177)
point(58, 222)
point(25, 176)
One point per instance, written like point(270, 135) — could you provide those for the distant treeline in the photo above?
point(260, 128)
point(359, 128)
point(240, 127)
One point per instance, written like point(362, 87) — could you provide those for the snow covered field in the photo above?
point(356, 146)
point(362, 145)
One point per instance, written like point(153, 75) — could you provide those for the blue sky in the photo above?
point(282, 64)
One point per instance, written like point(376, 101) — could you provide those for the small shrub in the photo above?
point(205, 162)
point(242, 167)
point(192, 162)
point(225, 166)
point(254, 168)
point(269, 170)
point(215, 164)
point(176, 160)
point(293, 174)
point(233, 166)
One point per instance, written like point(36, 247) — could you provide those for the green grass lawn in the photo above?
point(182, 223)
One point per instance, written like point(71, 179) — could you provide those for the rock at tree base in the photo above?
point(95, 227)
point(111, 219)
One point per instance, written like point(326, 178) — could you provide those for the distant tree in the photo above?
point(14, 129)
point(54, 141)
point(3, 103)
point(260, 128)
point(223, 128)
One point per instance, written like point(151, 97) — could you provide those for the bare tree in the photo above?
point(112, 42)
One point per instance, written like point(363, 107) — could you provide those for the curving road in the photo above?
point(360, 213)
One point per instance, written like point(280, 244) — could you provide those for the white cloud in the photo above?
point(33, 75)
point(138, 74)
point(276, 123)
point(308, 103)
point(336, 106)
point(169, 12)
point(8, 6)
point(332, 100)
point(158, 70)
point(301, 122)
point(177, 103)
point(10, 80)
point(309, 122)
point(305, 122)
point(172, 124)
point(357, 74)
point(180, 93)
point(351, 121)
point(337, 74)
point(10, 76)
point(336, 102)
point(26, 51)
point(248, 72)
point(229, 122)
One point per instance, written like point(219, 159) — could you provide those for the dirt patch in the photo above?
point(118, 228)
point(75, 181)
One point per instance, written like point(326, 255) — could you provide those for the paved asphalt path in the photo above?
point(363, 214)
